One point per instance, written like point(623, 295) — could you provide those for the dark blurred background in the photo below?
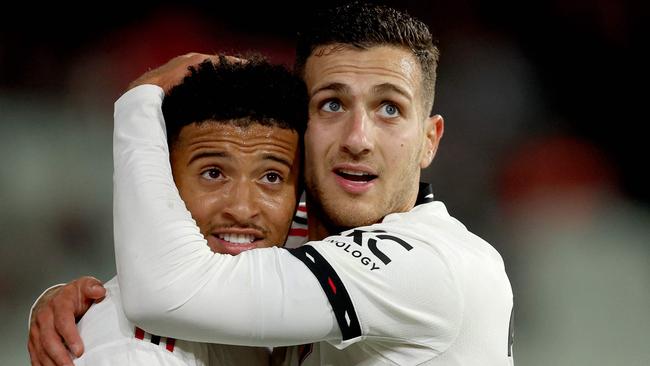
point(543, 153)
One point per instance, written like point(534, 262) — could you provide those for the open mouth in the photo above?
point(355, 175)
point(238, 238)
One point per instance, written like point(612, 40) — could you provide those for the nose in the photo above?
point(241, 202)
point(357, 139)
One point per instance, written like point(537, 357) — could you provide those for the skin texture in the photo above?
point(357, 133)
point(366, 116)
point(53, 321)
point(238, 180)
point(53, 333)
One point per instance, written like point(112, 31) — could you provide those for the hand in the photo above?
point(53, 322)
point(172, 73)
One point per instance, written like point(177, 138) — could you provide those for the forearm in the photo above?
point(172, 284)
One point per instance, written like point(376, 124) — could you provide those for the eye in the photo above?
point(332, 105)
point(212, 174)
point(272, 178)
point(389, 110)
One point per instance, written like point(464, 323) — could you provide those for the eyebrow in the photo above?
point(377, 89)
point(221, 154)
point(388, 87)
point(278, 159)
point(208, 154)
point(337, 87)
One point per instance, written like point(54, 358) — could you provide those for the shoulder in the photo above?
point(431, 225)
point(110, 339)
point(105, 321)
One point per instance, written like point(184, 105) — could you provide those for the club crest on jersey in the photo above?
point(359, 241)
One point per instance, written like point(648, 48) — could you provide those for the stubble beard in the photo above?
point(341, 213)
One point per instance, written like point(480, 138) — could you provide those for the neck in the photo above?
point(316, 229)
point(319, 226)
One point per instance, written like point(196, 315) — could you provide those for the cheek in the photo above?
point(310, 142)
point(318, 145)
point(278, 209)
point(202, 207)
point(400, 152)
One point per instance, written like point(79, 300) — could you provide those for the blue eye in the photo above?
point(212, 173)
point(389, 110)
point(332, 106)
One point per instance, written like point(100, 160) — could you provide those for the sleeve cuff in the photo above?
point(139, 93)
point(31, 309)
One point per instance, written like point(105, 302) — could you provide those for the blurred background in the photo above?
point(543, 153)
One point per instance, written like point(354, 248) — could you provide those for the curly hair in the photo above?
point(363, 26)
point(240, 93)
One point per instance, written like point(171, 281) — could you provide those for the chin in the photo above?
point(352, 214)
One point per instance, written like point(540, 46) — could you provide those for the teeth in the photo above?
point(237, 238)
point(353, 172)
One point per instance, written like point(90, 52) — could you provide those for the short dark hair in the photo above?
point(362, 26)
point(241, 93)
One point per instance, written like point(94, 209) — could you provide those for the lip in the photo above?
point(350, 186)
point(225, 247)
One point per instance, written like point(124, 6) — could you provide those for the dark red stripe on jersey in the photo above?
point(139, 333)
point(155, 339)
point(170, 344)
point(294, 231)
point(334, 289)
point(302, 208)
point(331, 283)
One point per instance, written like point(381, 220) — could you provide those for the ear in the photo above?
point(434, 127)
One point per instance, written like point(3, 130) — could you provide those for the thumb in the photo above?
point(93, 289)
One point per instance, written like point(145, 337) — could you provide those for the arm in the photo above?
point(52, 318)
point(172, 284)
point(52, 321)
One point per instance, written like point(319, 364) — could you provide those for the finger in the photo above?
point(194, 58)
point(66, 327)
point(236, 60)
point(65, 324)
point(41, 356)
point(56, 353)
point(51, 343)
point(93, 288)
point(47, 361)
point(32, 353)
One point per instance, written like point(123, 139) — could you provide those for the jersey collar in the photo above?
point(425, 194)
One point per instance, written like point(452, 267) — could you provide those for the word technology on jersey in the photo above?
point(356, 248)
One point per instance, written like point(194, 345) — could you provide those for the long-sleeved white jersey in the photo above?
point(417, 288)
point(110, 339)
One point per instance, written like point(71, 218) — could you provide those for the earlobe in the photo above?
point(434, 127)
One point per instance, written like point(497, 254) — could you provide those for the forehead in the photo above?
point(375, 65)
point(254, 137)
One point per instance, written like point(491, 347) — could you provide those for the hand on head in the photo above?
point(172, 73)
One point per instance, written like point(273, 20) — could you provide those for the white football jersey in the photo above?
point(417, 288)
point(110, 339)
point(417, 273)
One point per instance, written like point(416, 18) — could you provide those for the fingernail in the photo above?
point(76, 349)
point(95, 288)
